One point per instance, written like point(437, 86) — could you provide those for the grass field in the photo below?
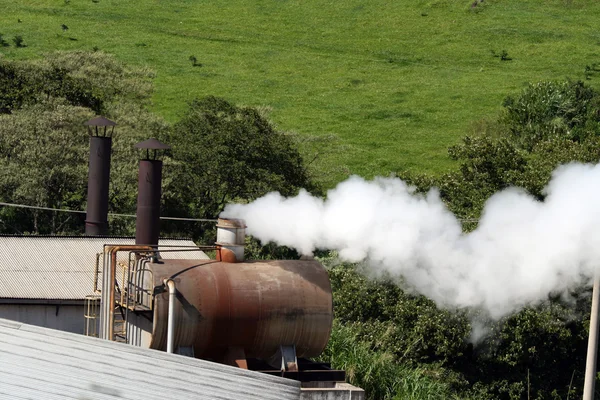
point(396, 82)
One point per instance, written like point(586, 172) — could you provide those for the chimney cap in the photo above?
point(100, 121)
point(152, 144)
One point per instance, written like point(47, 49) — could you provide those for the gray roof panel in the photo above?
point(58, 267)
point(41, 363)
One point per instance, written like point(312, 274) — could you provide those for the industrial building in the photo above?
point(237, 328)
point(45, 280)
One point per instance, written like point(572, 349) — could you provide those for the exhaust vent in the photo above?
point(147, 227)
point(96, 221)
point(231, 236)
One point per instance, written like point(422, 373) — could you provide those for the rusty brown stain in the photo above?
point(225, 255)
point(256, 306)
point(112, 250)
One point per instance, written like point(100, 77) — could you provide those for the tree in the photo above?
point(42, 163)
point(548, 124)
point(223, 153)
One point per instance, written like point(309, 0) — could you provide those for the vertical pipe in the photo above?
point(111, 297)
point(108, 285)
point(148, 203)
point(171, 319)
point(96, 272)
point(96, 221)
point(231, 237)
point(590, 365)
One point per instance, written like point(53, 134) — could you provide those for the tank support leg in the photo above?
point(285, 359)
point(235, 356)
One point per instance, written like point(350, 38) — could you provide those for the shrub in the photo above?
point(18, 41)
point(549, 109)
point(3, 43)
point(194, 61)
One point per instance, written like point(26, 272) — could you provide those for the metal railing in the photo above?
point(91, 315)
point(127, 290)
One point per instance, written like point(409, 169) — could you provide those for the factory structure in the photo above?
point(244, 324)
point(48, 280)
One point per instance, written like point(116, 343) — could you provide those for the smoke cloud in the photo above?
point(521, 251)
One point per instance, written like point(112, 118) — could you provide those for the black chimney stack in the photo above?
point(147, 227)
point(96, 221)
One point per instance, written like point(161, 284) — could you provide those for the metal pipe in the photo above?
point(171, 319)
point(96, 221)
point(96, 271)
point(123, 287)
point(590, 364)
point(103, 334)
point(111, 282)
point(148, 202)
point(231, 236)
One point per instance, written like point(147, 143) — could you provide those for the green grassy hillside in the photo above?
point(396, 81)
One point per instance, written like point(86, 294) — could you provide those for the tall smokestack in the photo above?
point(147, 227)
point(96, 221)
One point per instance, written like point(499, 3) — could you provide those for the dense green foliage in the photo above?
point(42, 163)
point(220, 152)
point(552, 109)
point(44, 146)
point(523, 147)
point(396, 81)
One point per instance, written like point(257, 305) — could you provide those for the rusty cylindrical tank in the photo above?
point(256, 306)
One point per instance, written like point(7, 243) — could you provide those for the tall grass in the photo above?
point(378, 373)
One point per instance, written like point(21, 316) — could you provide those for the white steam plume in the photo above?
point(521, 251)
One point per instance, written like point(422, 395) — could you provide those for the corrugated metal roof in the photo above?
point(55, 267)
point(40, 363)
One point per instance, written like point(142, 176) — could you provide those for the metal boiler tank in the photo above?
point(229, 309)
point(254, 306)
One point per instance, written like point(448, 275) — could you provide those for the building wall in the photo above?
point(68, 318)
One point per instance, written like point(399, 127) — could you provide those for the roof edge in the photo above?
point(85, 237)
point(41, 302)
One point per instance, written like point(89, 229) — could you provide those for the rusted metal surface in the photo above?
point(95, 126)
point(100, 121)
point(148, 202)
point(231, 231)
point(96, 221)
point(257, 306)
point(231, 237)
point(152, 144)
point(96, 273)
point(230, 254)
point(112, 276)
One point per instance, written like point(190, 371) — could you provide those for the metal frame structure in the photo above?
point(132, 290)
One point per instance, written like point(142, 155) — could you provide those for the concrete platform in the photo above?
point(330, 391)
